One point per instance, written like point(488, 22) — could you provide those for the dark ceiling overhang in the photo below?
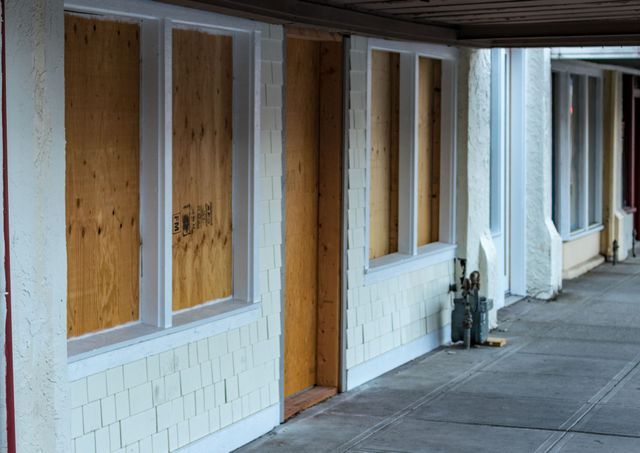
point(477, 23)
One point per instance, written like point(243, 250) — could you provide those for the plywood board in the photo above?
point(384, 163)
point(301, 213)
point(329, 214)
point(428, 150)
point(102, 117)
point(202, 167)
point(304, 400)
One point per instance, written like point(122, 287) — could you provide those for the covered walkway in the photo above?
point(568, 380)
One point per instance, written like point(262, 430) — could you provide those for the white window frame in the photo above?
point(410, 255)
point(564, 69)
point(156, 213)
point(508, 165)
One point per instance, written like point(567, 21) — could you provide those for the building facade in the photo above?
point(207, 215)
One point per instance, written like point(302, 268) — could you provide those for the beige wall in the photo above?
point(581, 255)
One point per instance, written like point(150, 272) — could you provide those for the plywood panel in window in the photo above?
point(102, 74)
point(202, 167)
point(383, 208)
point(429, 101)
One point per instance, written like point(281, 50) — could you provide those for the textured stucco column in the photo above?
point(544, 245)
point(36, 161)
point(473, 168)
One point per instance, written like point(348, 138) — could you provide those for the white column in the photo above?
point(36, 162)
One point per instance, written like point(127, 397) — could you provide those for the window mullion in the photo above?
point(585, 195)
point(408, 177)
point(565, 156)
point(599, 152)
point(165, 168)
point(155, 215)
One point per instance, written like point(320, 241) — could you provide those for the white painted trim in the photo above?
point(407, 155)
point(390, 266)
point(152, 225)
point(518, 173)
point(238, 434)
point(497, 139)
point(158, 341)
point(448, 127)
point(147, 9)
point(157, 22)
point(563, 153)
point(346, 68)
point(596, 52)
point(577, 67)
point(584, 232)
point(407, 224)
point(438, 51)
point(381, 364)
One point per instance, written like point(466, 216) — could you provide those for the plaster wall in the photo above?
point(475, 242)
point(544, 245)
point(393, 320)
point(221, 391)
point(35, 104)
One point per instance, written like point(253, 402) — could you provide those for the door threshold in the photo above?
point(295, 404)
point(510, 299)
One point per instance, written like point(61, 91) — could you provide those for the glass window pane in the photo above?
point(593, 148)
point(575, 182)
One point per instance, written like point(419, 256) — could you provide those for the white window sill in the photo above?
point(584, 232)
point(396, 264)
point(103, 350)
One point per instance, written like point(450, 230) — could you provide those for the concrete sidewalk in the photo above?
point(569, 380)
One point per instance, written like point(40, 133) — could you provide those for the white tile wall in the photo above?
point(397, 311)
point(165, 401)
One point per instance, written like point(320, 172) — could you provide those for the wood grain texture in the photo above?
point(428, 150)
point(304, 400)
point(329, 215)
point(301, 212)
point(384, 164)
point(102, 117)
point(202, 167)
point(313, 197)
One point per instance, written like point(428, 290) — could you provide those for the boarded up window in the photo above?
point(430, 71)
point(102, 173)
point(202, 167)
point(383, 208)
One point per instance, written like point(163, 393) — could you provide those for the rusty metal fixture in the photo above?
point(475, 280)
point(467, 324)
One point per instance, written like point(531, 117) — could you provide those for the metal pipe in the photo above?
point(615, 251)
point(8, 339)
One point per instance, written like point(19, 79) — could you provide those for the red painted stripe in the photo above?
point(8, 344)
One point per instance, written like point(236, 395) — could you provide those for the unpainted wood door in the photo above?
point(312, 214)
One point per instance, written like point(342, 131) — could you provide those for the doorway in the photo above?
point(508, 177)
point(313, 218)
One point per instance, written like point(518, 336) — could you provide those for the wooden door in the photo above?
point(301, 210)
point(313, 184)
